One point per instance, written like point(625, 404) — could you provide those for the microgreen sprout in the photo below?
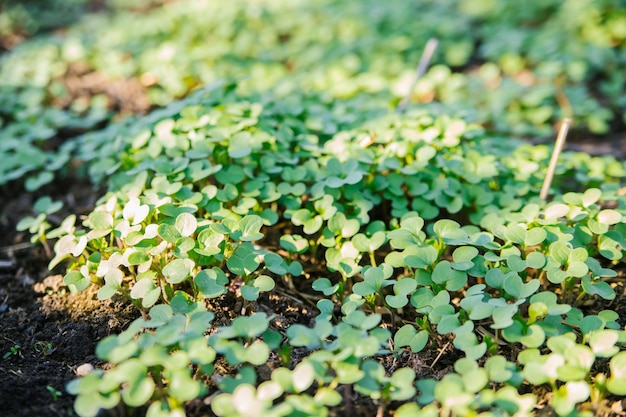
point(394, 232)
point(54, 392)
point(15, 350)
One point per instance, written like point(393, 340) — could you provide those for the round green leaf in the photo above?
point(182, 387)
point(138, 393)
point(211, 282)
point(514, 286)
point(536, 260)
point(138, 257)
point(250, 227)
point(177, 270)
point(186, 224)
point(617, 381)
point(77, 279)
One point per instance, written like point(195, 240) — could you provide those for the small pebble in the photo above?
point(84, 369)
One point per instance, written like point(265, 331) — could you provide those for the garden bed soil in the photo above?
point(46, 333)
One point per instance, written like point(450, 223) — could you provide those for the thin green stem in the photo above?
point(372, 258)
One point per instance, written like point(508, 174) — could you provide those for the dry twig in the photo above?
point(558, 146)
point(429, 50)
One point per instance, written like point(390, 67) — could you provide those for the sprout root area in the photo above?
point(291, 208)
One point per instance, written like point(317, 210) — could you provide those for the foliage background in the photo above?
point(247, 150)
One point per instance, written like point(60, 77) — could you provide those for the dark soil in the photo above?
point(45, 332)
point(56, 332)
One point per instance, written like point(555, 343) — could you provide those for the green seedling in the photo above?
point(45, 348)
point(467, 390)
point(39, 226)
point(54, 392)
point(15, 350)
point(292, 180)
point(243, 329)
point(169, 347)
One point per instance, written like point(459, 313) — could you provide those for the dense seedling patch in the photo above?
point(409, 235)
point(408, 228)
point(497, 63)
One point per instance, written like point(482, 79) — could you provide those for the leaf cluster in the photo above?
point(407, 230)
point(514, 83)
point(195, 221)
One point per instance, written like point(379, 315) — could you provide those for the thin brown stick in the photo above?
point(429, 50)
point(380, 412)
point(439, 355)
point(558, 147)
point(347, 398)
point(16, 247)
